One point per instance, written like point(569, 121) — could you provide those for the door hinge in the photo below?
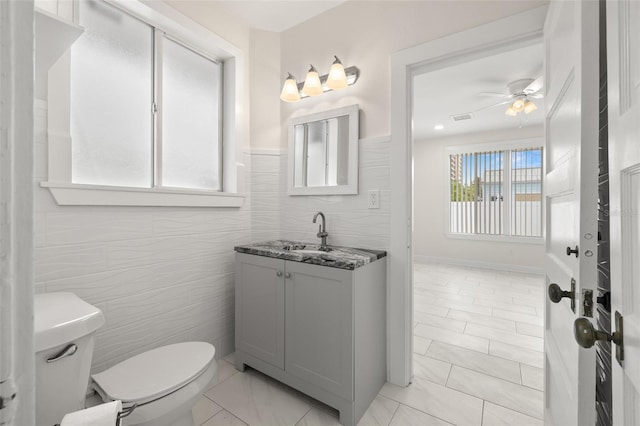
point(8, 397)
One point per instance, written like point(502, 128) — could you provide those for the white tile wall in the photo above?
point(349, 221)
point(164, 275)
point(161, 275)
point(266, 188)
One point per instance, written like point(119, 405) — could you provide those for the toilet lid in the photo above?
point(155, 373)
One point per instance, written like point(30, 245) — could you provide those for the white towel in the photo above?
point(100, 415)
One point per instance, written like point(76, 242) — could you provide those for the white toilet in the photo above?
point(163, 388)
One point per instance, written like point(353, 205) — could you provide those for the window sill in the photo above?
point(73, 194)
point(497, 238)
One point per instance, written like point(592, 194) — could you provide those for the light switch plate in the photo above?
point(374, 199)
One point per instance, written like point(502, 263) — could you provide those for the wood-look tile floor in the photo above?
point(478, 358)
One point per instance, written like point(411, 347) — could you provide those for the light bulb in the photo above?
point(290, 92)
point(518, 105)
point(529, 106)
point(337, 78)
point(510, 111)
point(312, 85)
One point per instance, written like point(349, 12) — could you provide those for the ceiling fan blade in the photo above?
point(535, 86)
point(538, 95)
point(493, 105)
point(495, 94)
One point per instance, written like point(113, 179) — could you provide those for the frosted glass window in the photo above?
point(190, 119)
point(111, 98)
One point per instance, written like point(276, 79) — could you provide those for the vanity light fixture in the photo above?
point(312, 85)
point(339, 77)
point(290, 92)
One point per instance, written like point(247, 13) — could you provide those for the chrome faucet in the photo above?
point(322, 231)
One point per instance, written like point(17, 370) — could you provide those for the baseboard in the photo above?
point(479, 264)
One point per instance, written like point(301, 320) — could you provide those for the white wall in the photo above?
point(265, 182)
point(349, 222)
point(431, 188)
point(160, 275)
point(165, 274)
point(365, 34)
point(16, 225)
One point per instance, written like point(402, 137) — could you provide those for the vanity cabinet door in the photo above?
point(319, 326)
point(260, 307)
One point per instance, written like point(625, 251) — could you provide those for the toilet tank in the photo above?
point(64, 327)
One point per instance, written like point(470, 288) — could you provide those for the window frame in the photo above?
point(166, 22)
point(497, 146)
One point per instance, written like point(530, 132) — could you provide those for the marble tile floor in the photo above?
point(477, 361)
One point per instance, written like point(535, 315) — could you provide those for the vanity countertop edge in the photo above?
point(337, 257)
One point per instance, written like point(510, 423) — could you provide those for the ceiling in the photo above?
point(277, 16)
point(457, 89)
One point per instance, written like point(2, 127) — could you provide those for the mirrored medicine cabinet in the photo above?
point(323, 153)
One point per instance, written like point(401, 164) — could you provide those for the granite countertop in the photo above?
point(336, 257)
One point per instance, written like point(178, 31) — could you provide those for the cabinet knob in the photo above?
point(279, 274)
point(287, 275)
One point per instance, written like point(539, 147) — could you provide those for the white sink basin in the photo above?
point(315, 252)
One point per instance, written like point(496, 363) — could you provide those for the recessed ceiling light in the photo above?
point(438, 127)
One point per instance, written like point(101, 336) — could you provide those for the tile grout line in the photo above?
point(492, 402)
point(303, 416)
point(394, 413)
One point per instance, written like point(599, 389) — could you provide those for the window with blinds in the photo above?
point(496, 192)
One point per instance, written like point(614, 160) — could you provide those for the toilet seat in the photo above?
point(156, 373)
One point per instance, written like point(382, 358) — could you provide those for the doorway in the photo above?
point(522, 29)
point(477, 235)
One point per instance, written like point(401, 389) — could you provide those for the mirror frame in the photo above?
point(351, 187)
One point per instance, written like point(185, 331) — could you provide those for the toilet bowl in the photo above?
point(163, 383)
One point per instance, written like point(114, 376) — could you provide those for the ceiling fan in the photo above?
point(520, 93)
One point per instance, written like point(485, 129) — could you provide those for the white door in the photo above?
point(623, 60)
point(571, 161)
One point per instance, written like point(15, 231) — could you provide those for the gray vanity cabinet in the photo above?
point(319, 326)
point(260, 308)
point(319, 329)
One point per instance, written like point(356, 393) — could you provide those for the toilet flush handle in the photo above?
point(68, 351)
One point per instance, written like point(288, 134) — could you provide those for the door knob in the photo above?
point(556, 293)
point(572, 251)
point(586, 335)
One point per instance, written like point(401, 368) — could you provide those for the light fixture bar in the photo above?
point(352, 74)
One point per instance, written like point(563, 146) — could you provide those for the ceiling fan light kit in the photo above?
point(520, 92)
point(529, 106)
point(519, 105)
